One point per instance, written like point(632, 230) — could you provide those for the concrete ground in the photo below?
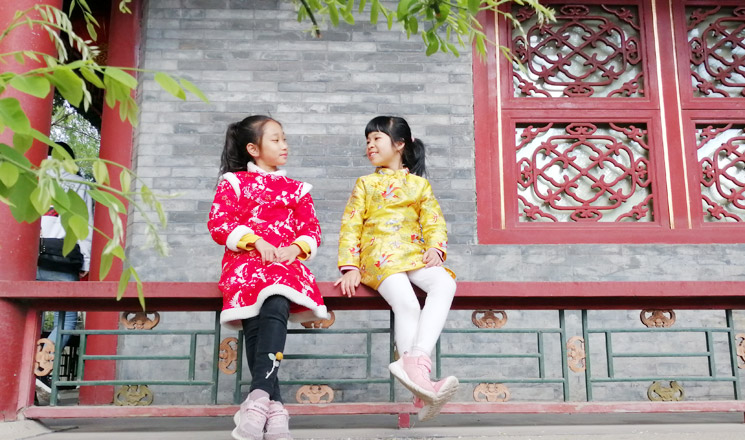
point(447, 427)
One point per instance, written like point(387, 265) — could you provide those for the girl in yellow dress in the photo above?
point(393, 234)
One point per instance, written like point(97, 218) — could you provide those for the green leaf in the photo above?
point(79, 226)
point(69, 85)
point(32, 55)
point(107, 199)
point(363, 3)
point(40, 199)
point(8, 174)
point(69, 243)
point(140, 295)
point(60, 199)
point(125, 180)
point(348, 7)
point(13, 116)
point(333, 13)
point(123, 280)
point(13, 155)
point(22, 142)
point(433, 45)
point(413, 25)
point(161, 214)
point(60, 153)
point(6, 201)
point(22, 210)
point(147, 195)
point(170, 85)
point(77, 206)
point(193, 89)
point(90, 76)
point(105, 261)
point(91, 31)
point(121, 76)
point(100, 172)
point(33, 85)
point(41, 137)
point(403, 9)
point(473, 6)
point(374, 10)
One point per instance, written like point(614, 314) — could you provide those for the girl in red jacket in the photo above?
point(267, 223)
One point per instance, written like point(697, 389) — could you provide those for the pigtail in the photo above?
point(414, 158)
point(234, 158)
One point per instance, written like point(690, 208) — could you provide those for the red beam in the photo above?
point(116, 146)
point(569, 295)
point(19, 241)
point(42, 412)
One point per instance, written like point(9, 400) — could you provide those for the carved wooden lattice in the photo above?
point(716, 35)
point(589, 51)
point(583, 172)
point(721, 155)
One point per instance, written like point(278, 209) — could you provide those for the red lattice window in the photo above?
point(591, 50)
point(583, 172)
point(721, 158)
point(716, 35)
point(591, 136)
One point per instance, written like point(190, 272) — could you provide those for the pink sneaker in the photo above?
point(251, 419)
point(445, 388)
point(413, 372)
point(277, 422)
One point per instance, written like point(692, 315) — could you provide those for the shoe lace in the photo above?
point(252, 413)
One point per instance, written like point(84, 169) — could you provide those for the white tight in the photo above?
point(414, 328)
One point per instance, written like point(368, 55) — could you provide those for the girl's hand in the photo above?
point(432, 258)
point(268, 252)
point(349, 282)
point(288, 254)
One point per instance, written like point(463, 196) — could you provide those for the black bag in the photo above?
point(51, 258)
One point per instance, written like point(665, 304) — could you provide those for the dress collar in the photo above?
point(253, 168)
point(390, 172)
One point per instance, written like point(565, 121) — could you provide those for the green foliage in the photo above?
point(28, 189)
point(444, 25)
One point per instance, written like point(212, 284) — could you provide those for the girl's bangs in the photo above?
point(381, 124)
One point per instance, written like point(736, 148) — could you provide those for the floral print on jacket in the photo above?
point(279, 210)
point(390, 220)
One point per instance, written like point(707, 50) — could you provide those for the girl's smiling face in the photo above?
point(272, 149)
point(382, 152)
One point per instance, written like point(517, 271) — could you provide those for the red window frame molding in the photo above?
point(669, 113)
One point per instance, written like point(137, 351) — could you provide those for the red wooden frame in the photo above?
point(31, 296)
point(672, 150)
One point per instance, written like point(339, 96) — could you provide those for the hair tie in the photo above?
point(413, 139)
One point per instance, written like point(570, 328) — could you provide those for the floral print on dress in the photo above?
point(276, 209)
point(392, 217)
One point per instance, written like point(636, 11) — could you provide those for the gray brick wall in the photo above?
point(252, 56)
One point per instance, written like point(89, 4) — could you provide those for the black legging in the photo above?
point(265, 334)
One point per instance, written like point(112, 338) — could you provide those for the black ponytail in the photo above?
point(235, 156)
point(399, 131)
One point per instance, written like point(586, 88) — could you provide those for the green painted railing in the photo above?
point(709, 354)
point(536, 352)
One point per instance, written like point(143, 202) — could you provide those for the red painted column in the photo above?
point(19, 243)
point(116, 145)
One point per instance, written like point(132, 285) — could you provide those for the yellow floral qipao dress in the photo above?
point(391, 219)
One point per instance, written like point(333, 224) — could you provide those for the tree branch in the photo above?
point(312, 17)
